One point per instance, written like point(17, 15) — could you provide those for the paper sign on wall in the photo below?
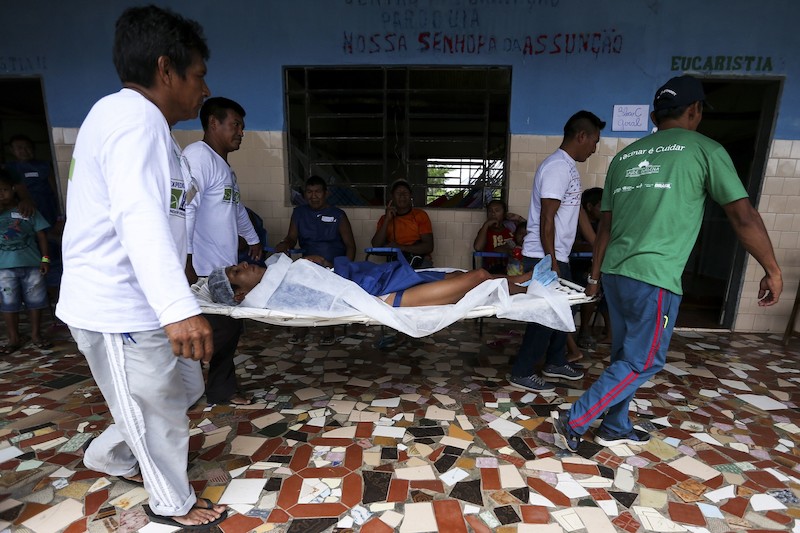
point(630, 118)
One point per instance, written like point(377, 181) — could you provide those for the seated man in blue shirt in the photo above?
point(321, 230)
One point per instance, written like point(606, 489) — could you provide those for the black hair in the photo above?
point(5, 177)
point(591, 196)
point(495, 202)
point(21, 137)
point(399, 183)
point(218, 107)
point(582, 121)
point(143, 34)
point(316, 180)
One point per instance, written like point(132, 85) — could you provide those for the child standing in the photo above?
point(23, 265)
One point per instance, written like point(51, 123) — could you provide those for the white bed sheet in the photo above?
point(301, 293)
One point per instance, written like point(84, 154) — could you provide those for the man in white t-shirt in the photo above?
point(124, 293)
point(552, 224)
point(215, 219)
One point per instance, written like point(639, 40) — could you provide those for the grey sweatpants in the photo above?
point(148, 390)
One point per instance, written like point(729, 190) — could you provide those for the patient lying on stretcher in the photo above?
point(395, 283)
point(301, 293)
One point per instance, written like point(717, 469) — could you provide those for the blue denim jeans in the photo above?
point(22, 284)
point(540, 342)
point(642, 318)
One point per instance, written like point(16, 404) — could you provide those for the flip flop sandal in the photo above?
point(238, 399)
point(168, 520)
point(42, 344)
point(9, 349)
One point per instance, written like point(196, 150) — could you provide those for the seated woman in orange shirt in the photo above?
point(405, 227)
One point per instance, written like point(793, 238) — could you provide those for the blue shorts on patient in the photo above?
point(22, 284)
point(383, 278)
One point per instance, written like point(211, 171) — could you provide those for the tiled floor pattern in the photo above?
point(424, 436)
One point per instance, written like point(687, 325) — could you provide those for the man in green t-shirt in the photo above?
point(652, 209)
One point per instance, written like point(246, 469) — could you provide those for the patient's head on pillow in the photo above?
point(229, 285)
point(220, 287)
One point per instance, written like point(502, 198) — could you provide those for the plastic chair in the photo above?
point(481, 255)
point(416, 261)
point(388, 252)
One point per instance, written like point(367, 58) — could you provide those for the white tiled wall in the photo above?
point(260, 168)
point(780, 208)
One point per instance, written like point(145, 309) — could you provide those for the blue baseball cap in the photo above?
point(678, 92)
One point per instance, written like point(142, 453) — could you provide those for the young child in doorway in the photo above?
point(24, 262)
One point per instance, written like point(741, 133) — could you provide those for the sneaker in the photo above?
point(532, 383)
point(634, 438)
point(587, 342)
point(563, 372)
point(327, 340)
point(564, 433)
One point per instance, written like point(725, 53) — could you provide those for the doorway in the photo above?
point(742, 119)
point(22, 112)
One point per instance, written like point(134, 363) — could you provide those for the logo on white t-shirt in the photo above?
point(230, 196)
point(177, 199)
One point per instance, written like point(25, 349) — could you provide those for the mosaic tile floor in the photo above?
point(425, 435)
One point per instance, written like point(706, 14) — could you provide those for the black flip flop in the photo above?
point(10, 349)
point(169, 521)
point(42, 344)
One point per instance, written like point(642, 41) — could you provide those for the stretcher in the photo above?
point(302, 294)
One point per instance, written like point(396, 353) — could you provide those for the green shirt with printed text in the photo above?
point(656, 190)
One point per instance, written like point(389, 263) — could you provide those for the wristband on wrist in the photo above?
point(591, 281)
point(45, 259)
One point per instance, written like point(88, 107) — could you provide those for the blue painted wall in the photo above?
point(565, 54)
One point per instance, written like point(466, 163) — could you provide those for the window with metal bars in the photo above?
point(443, 129)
